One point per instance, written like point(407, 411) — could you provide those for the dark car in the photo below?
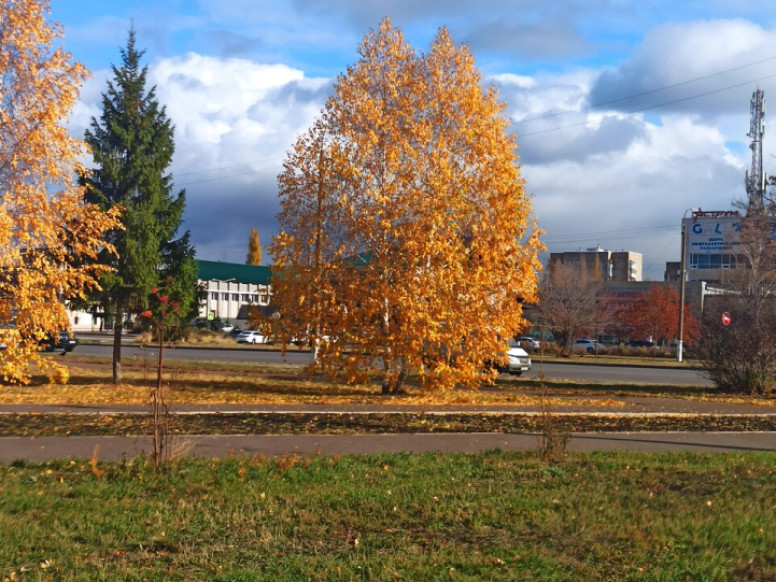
point(65, 341)
point(641, 344)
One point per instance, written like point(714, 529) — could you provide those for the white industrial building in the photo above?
point(226, 291)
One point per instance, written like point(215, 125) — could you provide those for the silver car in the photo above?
point(585, 345)
point(519, 360)
point(532, 343)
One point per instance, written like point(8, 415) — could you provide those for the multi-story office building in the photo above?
point(603, 265)
point(711, 245)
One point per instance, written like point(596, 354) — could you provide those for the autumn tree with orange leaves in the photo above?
point(656, 316)
point(45, 227)
point(405, 242)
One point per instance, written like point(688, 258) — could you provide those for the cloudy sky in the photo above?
point(627, 113)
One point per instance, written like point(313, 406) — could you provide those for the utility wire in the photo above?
point(608, 235)
point(224, 167)
point(648, 92)
point(550, 115)
point(229, 176)
point(655, 106)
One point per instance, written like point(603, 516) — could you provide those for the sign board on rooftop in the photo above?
point(713, 232)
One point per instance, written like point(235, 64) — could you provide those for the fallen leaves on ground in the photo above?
point(265, 385)
point(40, 425)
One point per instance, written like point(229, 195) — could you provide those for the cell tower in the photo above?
point(755, 178)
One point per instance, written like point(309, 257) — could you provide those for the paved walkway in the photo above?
point(114, 448)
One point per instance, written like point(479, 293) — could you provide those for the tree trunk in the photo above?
point(386, 388)
point(392, 384)
point(118, 327)
point(158, 404)
point(399, 385)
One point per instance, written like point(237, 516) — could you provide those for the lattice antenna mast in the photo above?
point(755, 178)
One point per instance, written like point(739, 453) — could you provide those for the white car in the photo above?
point(250, 336)
point(532, 343)
point(519, 360)
point(227, 328)
point(585, 345)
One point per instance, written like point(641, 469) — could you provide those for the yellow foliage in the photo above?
point(60, 375)
point(254, 249)
point(406, 242)
point(45, 227)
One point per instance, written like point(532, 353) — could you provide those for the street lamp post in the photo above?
point(682, 281)
point(682, 277)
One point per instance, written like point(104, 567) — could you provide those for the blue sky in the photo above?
point(627, 113)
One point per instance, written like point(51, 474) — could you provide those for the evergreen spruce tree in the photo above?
point(132, 145)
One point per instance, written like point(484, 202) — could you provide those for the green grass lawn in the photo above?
point(491, 516)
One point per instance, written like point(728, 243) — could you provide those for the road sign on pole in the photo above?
point(726, 318)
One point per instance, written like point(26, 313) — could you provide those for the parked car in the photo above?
point(532, 343)
point(641, 344)
point(518, 359)
point(584, 345)
point(227, 328)
point(65, 340)
point(250, 336)
point(8, 335)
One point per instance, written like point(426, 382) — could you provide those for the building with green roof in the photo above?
point(228, 290)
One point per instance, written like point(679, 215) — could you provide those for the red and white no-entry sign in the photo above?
point(726, 318)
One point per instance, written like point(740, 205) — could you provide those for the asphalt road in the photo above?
point(554, 370)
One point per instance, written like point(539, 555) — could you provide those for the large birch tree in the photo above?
point(46, 230)
point(405, 242)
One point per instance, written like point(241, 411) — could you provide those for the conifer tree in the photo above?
point(132, 145)
point(254, 249)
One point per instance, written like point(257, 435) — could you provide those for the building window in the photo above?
point(235, 297)
point(225, 296)
point(255, 298)
point(214, 296)
point(246, 298)
point(719, 261)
